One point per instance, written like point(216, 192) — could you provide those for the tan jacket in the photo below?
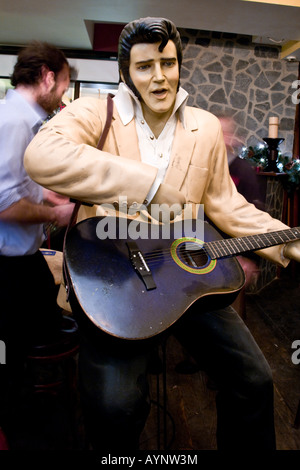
point(63, 157)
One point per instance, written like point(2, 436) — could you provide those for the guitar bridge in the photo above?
point(140, 265)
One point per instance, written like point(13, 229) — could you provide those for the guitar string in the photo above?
point(216, 245)
point(243, 241)
point(201, 257)
point(166, 251)
point(201, 260)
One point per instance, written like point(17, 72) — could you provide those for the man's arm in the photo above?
point(26, 212)
point(54, 199)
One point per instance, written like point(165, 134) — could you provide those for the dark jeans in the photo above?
point(28, 315)
point(113, 378)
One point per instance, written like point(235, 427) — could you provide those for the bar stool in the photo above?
point(60, 351)
point(52, 368)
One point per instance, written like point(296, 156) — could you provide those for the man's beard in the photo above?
point(51, 101)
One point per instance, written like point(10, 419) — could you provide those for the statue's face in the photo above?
point(155, 75)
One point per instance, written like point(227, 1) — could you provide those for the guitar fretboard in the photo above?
point(234, 246)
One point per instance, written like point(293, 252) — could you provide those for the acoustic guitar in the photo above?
point(137, 288)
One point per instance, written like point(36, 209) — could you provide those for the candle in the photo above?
point(273, 127)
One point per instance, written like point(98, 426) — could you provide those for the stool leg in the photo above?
point(164, 401)
point(158, 408)
point(164, 372)
point(70, 373)
point(3, 441)
point(162, 423)
point(297, 417)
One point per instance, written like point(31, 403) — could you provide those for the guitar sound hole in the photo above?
point(194, 258)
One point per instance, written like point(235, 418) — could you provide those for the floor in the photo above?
point(273, 316)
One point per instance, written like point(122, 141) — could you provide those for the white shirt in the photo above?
point(154, 151)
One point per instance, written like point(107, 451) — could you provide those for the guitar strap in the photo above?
point(78, 203)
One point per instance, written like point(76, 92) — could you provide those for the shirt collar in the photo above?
point(125, 101)
point(35, 111)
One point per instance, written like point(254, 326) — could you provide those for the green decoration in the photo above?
point(257, 156)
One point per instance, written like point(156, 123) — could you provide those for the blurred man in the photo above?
point(28, 294)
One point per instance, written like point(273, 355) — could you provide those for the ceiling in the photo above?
point(70, 23)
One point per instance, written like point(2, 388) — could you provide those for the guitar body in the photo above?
point(113, 295)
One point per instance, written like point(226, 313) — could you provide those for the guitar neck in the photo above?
point(235, 246)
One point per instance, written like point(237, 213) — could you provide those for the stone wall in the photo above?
point(228, 74)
